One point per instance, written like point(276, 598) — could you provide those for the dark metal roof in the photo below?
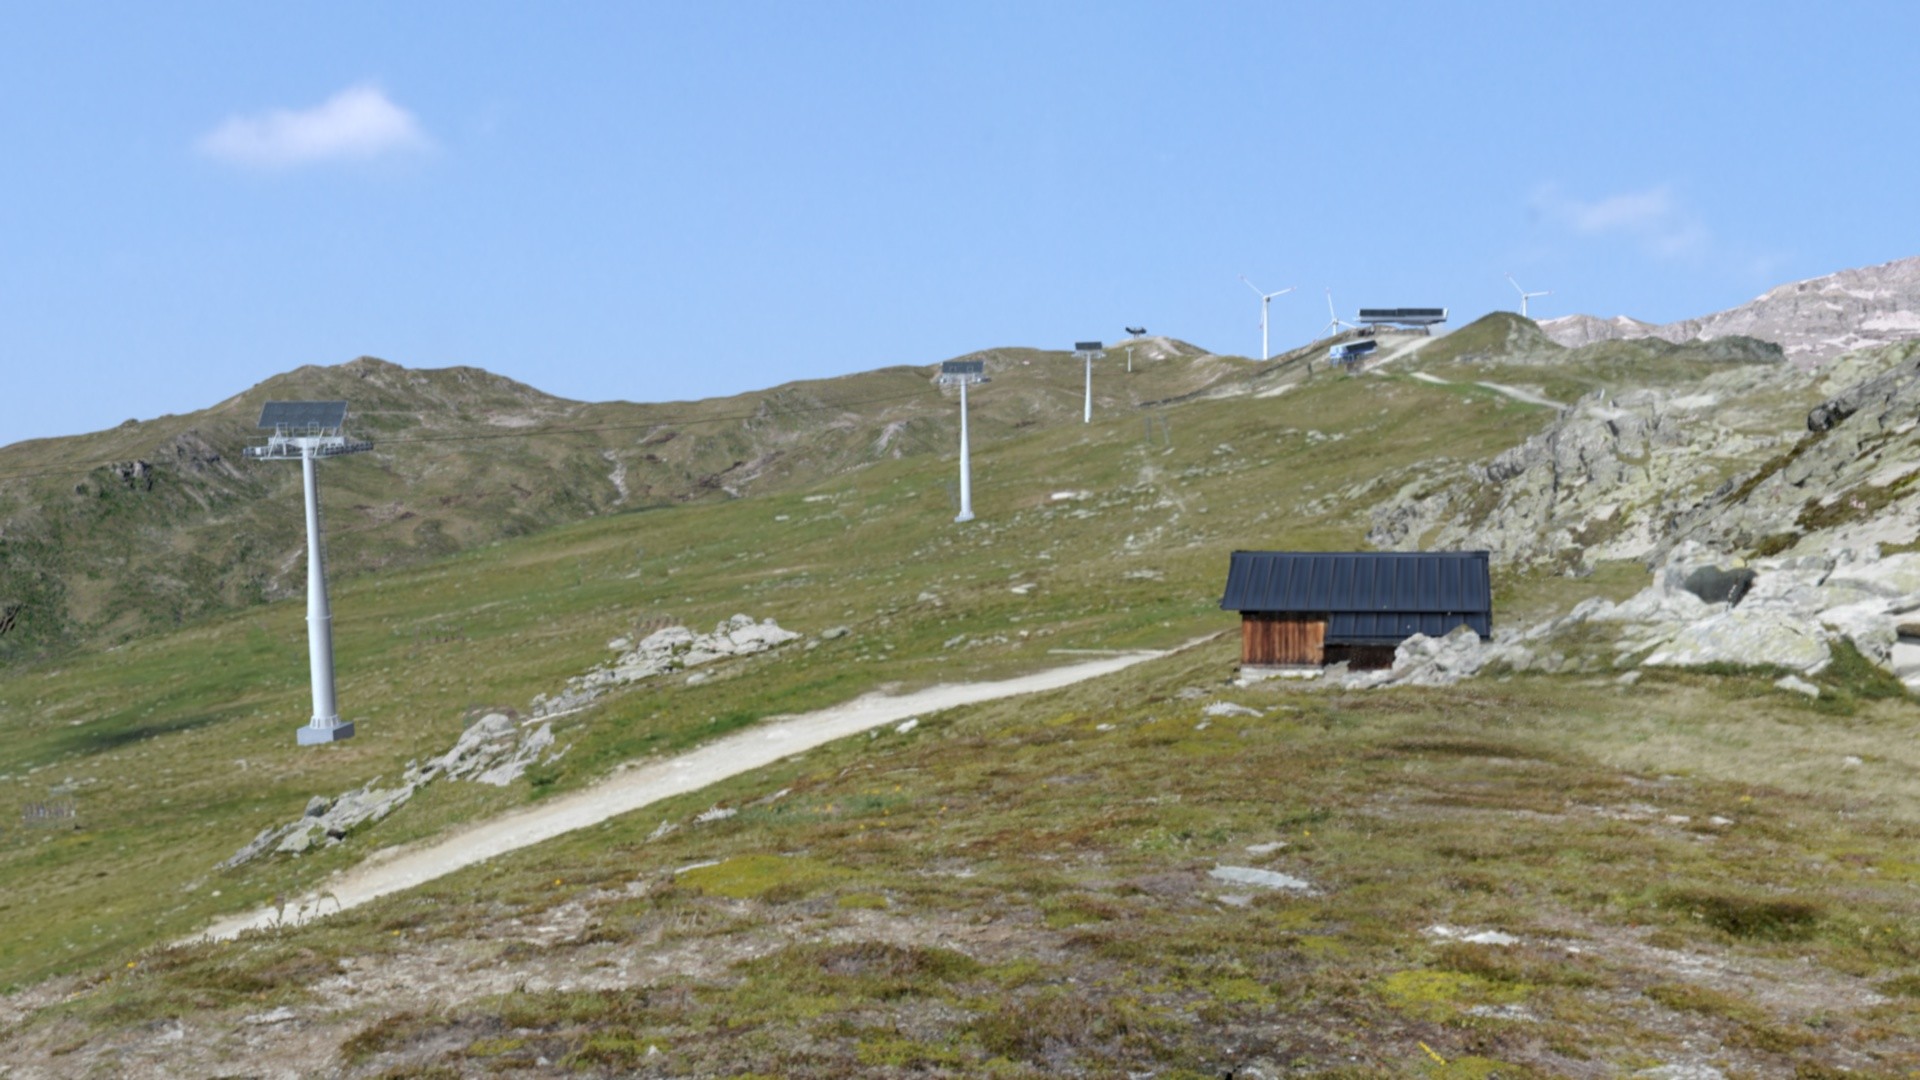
point(325, 415)
point(1381, 582)
point(962, 367)
point(1412, 316)
point(1392, 628)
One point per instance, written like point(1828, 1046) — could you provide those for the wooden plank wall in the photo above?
point(1282, 638)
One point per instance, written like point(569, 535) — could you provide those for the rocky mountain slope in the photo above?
point(1813, 320)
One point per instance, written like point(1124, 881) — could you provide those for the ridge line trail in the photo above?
point(391, 870)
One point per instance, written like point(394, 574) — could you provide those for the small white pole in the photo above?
point(966, 470)
point(325, 726)
point(1265, 302)
point(1129, 359)
point(1088, 417)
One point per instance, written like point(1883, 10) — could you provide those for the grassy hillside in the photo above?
point(1022, 887)
point(156, 524)
point(149, 737)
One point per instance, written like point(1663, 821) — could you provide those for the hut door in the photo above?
point(1282, 638)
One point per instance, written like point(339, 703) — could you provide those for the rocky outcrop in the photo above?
point(1604, 480)
point(663, 652)
point(1850, 481)
point(498, 749)
point(326, 821)
point(1789, 615)
point(1813, 320)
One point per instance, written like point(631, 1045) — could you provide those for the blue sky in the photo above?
point(669, 201)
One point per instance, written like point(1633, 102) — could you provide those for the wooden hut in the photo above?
point(1312, 608)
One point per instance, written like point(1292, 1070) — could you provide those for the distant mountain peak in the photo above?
point(1813, 320)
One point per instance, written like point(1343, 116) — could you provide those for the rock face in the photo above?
point(1604, 480)
point(1813, 320)
point(1850, 480)
point(1737, 461)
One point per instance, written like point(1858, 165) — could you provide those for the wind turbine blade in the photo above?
point(1251, 285)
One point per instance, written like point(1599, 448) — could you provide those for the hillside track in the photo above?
point(396, 869)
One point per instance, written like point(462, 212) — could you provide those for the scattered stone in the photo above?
point(1798, 685)
point(665, 828)
point(1471, 937)
point(834, 633)
point(278, 1016)
point(1228, 708)
point(1021, 590)
point(620, 644)
point(1503, 1012)
point(1266, 879)
point(1851, 762)
point(1682, 1072)
point(317, 805)
point(907, 725)
point(1267, 848)
point(718, 813)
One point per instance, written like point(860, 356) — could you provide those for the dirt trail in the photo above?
point(1514, 392)
point(393, 869)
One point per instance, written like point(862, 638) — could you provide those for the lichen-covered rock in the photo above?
point(1746, 638)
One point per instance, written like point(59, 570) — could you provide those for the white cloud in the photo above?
point(357, 123)
point(1655, 218)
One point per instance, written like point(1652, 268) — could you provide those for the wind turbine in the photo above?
point(1524, 295)
point(1265, 299)
point(1334, 321)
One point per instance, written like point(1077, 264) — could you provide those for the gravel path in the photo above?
point(1514, 392)
point(393, 869)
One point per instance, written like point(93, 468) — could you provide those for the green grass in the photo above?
point(1048, 905)
point(1017, 888)
point(180, 746)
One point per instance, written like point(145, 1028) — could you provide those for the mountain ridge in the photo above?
point(1814, 320)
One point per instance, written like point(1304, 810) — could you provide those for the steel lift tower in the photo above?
point(1091, 351)
point(306, 431)
point(964, 372)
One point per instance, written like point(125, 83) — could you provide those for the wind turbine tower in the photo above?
point(1524, 295)
point(1265, 300)
point(1334, 321)
point(306, 431)
point(1092, 351)
point(964, 372)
